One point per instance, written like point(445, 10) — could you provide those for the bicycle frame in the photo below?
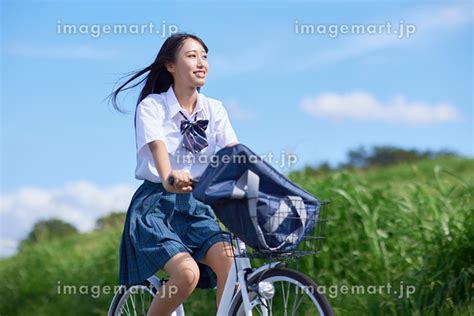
point(237, 274)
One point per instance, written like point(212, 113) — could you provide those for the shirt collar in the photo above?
point(175, 107)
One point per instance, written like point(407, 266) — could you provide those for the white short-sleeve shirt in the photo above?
point(157, 117)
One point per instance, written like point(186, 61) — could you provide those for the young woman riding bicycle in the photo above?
point(175, 127)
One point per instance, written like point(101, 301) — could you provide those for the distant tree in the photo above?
point(388, 155)
point(378, 156)
point(48, 230)
point(114, 219)
point(357, 158)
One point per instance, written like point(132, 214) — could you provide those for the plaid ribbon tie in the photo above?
point(194, 135)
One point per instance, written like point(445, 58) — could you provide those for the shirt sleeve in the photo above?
point(149, 120)
point(225, 134)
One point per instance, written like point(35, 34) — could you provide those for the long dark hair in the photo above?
point(158, 79)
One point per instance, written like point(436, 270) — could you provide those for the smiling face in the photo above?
point(190, 67)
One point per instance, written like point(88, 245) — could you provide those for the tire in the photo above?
point(281, 278)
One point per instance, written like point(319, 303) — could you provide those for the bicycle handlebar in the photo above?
point(194, 181)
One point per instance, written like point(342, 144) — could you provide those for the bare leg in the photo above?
point(183, 274)
point(218, 257)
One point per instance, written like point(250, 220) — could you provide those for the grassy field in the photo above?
point(403, 227)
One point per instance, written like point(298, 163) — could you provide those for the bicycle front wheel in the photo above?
point(294, 293)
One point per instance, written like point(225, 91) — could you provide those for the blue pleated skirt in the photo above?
point(159, 225)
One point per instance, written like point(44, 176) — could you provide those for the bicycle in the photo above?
point(248, 289)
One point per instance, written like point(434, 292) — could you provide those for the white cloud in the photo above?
point(428, 22)
point(236, 112)
point(79, 203)
point(60, 52)
point(361, 106)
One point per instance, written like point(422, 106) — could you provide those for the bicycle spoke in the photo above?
point(128, 308)
point(297, 302)
point(142, 299)
point(133, 304)
point(284, 298)
point(302, 298)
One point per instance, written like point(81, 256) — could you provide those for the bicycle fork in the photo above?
point(241, 271)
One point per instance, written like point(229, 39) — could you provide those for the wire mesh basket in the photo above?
point(289, 227)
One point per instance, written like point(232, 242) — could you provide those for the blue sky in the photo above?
point(66, 153)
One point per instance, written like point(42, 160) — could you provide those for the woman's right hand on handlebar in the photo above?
point(182, 182)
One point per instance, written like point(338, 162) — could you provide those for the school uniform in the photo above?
point(160, 224)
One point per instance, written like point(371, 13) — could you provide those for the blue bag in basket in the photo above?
point(255, 202)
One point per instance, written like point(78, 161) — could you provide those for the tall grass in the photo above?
point(415, 231)
point(406, 225)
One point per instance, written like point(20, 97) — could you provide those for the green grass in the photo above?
point(406, 223)
point(409, 224)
